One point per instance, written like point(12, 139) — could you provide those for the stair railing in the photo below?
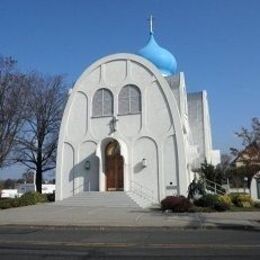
point(214, 187)
point(78, 189)
point(142, 191)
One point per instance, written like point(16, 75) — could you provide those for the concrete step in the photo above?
point(99, 199)
point(141, 201)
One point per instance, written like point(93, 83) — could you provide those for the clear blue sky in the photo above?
point(216, 43)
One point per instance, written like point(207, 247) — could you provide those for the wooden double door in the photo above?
point(114, 167)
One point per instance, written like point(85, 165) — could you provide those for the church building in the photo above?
point(129, 125)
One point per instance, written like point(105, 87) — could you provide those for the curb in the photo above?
point(135, 228)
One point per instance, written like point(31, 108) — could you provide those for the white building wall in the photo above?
point(255, 187)
point(148, 176)
point(178, 86)
point(195, 108)
point(200, 127)
point(140, 136)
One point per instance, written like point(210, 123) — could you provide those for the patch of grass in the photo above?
point(196, 209)
point(240, 209)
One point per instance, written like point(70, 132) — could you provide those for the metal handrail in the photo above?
point(211, 185)
point(76, 189)
point(142, 191)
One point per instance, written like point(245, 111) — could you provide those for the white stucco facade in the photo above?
point(255, 187)
point(160, 144)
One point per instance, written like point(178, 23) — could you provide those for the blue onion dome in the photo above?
point(159, 56)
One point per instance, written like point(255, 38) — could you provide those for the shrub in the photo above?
point(257, 204)
point(221, 206)
point(196, 188)
point(233, 196)
point(9, 203)
point(216, 202)
point(29, 198)
point(208, 200)
point(15, 202)
point(225, 199)
point(32, 198)
point(5, 203)
point(176, 204)
point(50, 197)
point(242, 200)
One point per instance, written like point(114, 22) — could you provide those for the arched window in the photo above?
point(129, 100)
point(102, 103)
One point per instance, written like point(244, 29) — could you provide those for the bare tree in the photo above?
point(225, 161)
point(247, 159)
point(13, 92)
point(250, 152)
point(37, 145)
point(28, 176)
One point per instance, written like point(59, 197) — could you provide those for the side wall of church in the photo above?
point(154, 133)
point(199, 120)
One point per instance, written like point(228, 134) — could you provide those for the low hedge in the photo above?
point(29, 198)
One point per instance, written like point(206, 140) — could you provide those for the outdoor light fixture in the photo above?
point(245, 183)
point(144, 163)
point(87, 165)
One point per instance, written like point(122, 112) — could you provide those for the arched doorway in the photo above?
point(114, 165)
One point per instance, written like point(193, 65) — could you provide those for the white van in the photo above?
point(23, 188)
point(9, 193)
point(46, 188)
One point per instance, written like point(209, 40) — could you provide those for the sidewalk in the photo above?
point(50, 214)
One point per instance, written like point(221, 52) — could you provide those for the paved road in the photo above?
point(127, 243)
